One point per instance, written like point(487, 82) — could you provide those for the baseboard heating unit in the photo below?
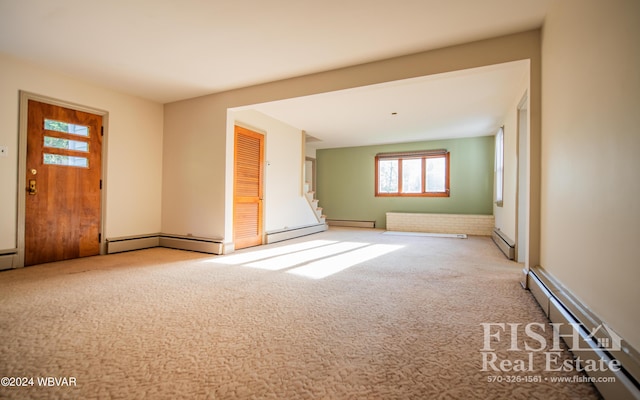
point(506, 245)
point(596, 342)
point(351, 223)
point(291, 233)
point(203, 245)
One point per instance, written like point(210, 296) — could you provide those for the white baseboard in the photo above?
point(8, 259)
point(279, 236)
point(351, 223)
point(562, 307)
point(506, 245)
point(201, 245)
point(129, 243)
point(118, 245)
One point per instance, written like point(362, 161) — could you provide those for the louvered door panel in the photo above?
point(247, 214)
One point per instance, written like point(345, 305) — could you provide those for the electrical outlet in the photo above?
point(4, 151)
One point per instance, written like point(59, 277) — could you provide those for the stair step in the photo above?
point(313, 202)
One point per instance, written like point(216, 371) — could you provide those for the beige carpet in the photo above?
point(384, 317)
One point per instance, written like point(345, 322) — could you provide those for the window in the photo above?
point(66, 144)
point(419, 173)
point(60, 146)
point(72, 129)
point(499, 166)
point(68, 161)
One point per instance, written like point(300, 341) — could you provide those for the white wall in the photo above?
point(198, 172)
point(310, 151)
point(193, 182)
point(284, 203)
point(590, 212)
point(134, 148)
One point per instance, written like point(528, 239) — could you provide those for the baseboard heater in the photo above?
point(203, 245)
point(8, 259)
point(291, 233)
point(199, 244)
point(506, 245)
point(129, 243)
point(598, 344)
point(351, 223)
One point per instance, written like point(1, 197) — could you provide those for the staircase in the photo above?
point(313, 203)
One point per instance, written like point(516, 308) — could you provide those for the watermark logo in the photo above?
point(533, 341)
point(611, 341)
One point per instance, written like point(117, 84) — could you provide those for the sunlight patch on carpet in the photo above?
point(268, 253)
point(301, 257)
point(331, 265)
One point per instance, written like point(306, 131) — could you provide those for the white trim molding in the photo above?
point(8, 259)
point(191, 243)
point(286, 234)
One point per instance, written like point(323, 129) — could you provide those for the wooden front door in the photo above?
point(62, 207)
point(247, 188)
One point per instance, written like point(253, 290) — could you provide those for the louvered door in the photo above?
point(247, 188)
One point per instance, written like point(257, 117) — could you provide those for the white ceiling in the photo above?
point(452, 105)
point(167, 50)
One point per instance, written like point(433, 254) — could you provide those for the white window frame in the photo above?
point(499, 167)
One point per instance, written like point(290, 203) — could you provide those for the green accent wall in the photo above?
point(345, 183)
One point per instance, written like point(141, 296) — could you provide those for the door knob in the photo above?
point(32, 187)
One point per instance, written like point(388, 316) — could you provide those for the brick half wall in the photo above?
point(481, 225)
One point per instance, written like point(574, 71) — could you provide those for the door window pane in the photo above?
point(67, 144)
point(59, 126)
point(70, 161)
